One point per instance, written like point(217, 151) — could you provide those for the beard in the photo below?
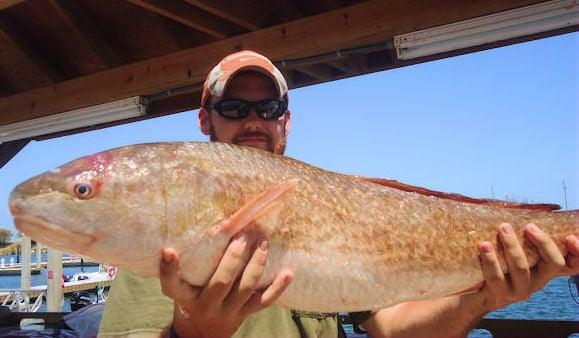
point(277, 148)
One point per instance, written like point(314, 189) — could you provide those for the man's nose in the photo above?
point(252, 121)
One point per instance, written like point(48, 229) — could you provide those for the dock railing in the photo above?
point(20, 300)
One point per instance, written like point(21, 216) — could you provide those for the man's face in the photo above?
point(251, 131)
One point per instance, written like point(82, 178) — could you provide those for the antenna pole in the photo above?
point(565, 195)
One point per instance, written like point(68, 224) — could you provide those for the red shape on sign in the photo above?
point(49, 274)
point(112, 271)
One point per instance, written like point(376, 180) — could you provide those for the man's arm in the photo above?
point(456, 316)
point(218, 309)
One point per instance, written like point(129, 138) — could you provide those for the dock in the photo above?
point(15, 268)
point(96, 279)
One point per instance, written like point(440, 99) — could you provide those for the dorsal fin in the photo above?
point(457, 197)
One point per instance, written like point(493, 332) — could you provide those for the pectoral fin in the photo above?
point(472, 289)
point(255, 207)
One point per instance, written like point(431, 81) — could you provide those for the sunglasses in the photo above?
point(236, 109)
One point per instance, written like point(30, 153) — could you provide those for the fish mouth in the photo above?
point(52, 234)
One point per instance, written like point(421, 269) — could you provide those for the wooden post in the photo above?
point(54, 275)
point(25, 244)
point(38, 255)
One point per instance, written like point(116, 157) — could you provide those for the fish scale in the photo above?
point(353, 244)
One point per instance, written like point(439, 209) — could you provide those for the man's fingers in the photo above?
point(280, 283)
point(171, 283)
point(516, 261)
point(573, 245)
point(224, 277)
point(266, 298)
point(245, 287)
point(492, 272)
point(551, 263)
point(549, 251)
point(572, 259)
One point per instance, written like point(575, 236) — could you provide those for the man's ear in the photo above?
point(288, 123)
point(204, 122)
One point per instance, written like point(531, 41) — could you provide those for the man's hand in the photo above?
point(219, 308)
point(429, 318)
point(522, 281)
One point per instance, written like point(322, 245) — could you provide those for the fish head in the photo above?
point(81, 206)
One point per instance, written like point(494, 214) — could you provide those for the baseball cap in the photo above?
point(230, 65)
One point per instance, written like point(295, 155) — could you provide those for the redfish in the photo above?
point(353, 243)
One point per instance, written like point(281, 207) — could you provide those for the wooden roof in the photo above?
point(61, 55)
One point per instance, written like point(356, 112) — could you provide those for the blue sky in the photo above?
point(505, 118)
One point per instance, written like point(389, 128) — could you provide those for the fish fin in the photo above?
point(472, 289)
point(255, 207)
point(457, 197)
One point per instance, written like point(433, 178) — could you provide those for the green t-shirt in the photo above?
point(137, 307)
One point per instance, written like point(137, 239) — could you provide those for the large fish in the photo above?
point(353, 244)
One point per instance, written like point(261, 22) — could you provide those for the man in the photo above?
point(244, 102)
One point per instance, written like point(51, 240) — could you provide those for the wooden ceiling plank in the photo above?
point(9, 3)
point(330, 4)
point(319, 71)
point(249, 16)
point(5, 88)
point(353, 64)
point(340, 28)
point(78, 22)
point(179, 11)
point(288, 9)
point(21, 67)
point(299, 79)
point(288, 74)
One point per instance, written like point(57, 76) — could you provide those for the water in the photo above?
point(557, 301)
point(554, 302)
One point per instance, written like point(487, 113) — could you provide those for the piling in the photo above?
point(38, 255)
point(25, 245)
point(54, 295)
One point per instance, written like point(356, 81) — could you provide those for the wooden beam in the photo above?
point(299, 79)
point(337, 29)
point(288, 10)
point(174, 104)
point(81, 26)
point(353, 64)
point(288, 74)
point(330, 4)
point(9, 149)
point(9, 3)
point(381, 59)
point(319, 71)
point(250, 16)
point(5, 88)
point(179, 11)
point(21, 68)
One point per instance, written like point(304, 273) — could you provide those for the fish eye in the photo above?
point(83, 190)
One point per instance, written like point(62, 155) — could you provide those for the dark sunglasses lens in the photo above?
point(232, 109)
point(270, 109)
